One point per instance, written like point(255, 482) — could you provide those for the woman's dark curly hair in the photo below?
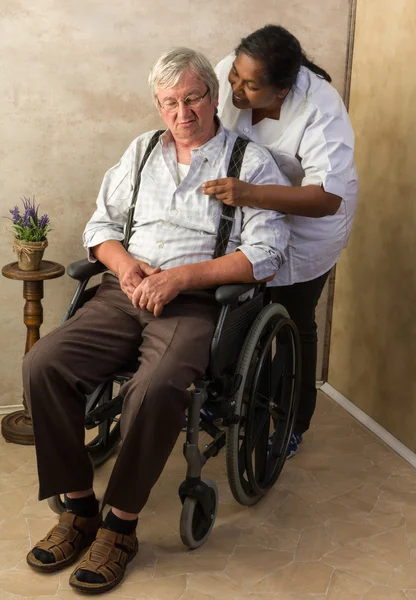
point(281, 54)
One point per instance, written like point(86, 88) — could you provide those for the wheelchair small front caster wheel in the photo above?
point(56, 504)
point(195, 526)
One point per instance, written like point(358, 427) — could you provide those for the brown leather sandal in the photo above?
point(65, 541)
point(108, 556)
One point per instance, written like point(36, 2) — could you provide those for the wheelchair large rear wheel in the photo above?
point(266, 401)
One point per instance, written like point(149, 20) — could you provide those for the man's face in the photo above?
point(189, 123)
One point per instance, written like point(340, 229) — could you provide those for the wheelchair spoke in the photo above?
point(260, 449)
point(258, 430)
point(265, 403)
point(277, 368)
point(241, 459)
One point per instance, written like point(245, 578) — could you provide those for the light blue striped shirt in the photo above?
point(174, 222)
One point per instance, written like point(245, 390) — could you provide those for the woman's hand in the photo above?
point(231, 191)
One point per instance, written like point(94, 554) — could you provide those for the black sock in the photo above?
point(82, 507)
point(113, 523)
point(86, 507)
point(118, 525)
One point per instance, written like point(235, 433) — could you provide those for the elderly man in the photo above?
point(155, 306)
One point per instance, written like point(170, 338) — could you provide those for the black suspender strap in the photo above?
point(154, 140)
point(227, 217)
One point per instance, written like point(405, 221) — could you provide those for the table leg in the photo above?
point(17, 427)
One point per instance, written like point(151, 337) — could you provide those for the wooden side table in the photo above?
point(17, 427)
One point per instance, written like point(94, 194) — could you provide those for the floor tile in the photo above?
point(266, 536)
point(295, 514)
point(26, 583)
point(385, 593)
point(218, 585)
point(311, 578)
point(391, 547)
point(340, 524)
point(404, 576)
point(356, 562)
point(344, 586)
point(249, 564)
point(165, 588)
point(386, 514)
point(343, 532)
point(314, 543)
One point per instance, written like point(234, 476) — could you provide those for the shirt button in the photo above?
point(246, 129)
point(174, 211)
point(160, 245)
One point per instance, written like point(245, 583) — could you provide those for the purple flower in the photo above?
point(15, 215)
point(43, 221)
point(27, 225)
point(30, 211)
point(25, 220)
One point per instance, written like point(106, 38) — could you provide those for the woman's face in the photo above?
point(249, 87)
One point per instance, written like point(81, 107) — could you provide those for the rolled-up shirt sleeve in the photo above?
point(326, 151)
point(110, 217)
point(265, 233)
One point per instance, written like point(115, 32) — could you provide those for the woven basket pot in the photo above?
point(29, 254)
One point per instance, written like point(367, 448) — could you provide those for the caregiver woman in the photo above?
point(272, 94)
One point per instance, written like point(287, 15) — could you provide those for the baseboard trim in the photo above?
point(9, 408)
point(372, 425)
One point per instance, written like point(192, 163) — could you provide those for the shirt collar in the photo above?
point(210, 150)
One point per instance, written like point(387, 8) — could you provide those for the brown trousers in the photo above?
point(104, 335)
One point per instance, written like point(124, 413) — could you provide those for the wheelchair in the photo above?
point(251, 384)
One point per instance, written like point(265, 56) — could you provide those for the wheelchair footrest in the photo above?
point(215, 446)
point(104, 412)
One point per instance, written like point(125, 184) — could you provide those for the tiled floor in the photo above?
point(340, 525)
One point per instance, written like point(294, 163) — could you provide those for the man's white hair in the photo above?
point(169, 67)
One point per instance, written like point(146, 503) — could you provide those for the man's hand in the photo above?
point(132, 273)
point(231, 191)
point(156, 291)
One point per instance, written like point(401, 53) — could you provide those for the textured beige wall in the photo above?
point(373, 349)
point(73, 94)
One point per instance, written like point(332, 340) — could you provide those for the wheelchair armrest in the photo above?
point(227, 294)
point(84, 269)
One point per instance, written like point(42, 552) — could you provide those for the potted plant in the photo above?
point(30, 234)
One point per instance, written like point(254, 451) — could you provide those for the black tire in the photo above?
point(194, 528)
point(105, 443)
point(267, 398)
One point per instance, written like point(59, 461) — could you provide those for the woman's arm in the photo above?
point(303, 201)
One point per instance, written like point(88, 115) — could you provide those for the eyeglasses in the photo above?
point(192, 101)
